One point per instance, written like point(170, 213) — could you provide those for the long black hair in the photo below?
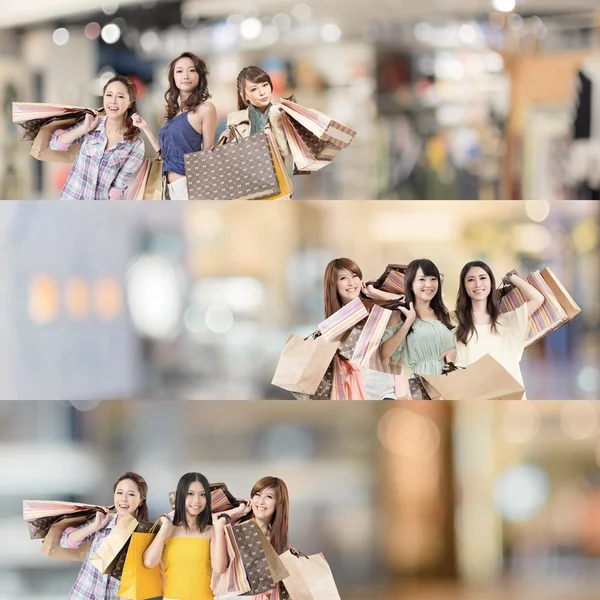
point(464, 304)
point(437, 302)
point(205, 517)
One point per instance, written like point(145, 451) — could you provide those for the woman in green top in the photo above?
point(421, 335)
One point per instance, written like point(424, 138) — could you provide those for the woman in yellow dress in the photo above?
point(190, 548)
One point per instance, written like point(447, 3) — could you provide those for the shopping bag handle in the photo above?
point(224, 140)
point(297, 553)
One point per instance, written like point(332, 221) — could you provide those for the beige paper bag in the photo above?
point(310, 578)
point(41, 145)
point(303, 364)
point(485, 379)
point(107, 555)
point(51, 545)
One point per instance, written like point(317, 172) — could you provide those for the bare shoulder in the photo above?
point(204, 111)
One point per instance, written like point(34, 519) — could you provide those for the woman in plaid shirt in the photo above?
point(111, 147)
point(130, 493)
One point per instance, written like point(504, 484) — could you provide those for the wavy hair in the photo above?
point(464, 305)
point(333, 302)
point(131, 131)
point(279, 524)
point(437, 303)
point(197, 97)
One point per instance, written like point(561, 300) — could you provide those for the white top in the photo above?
point(506, 346)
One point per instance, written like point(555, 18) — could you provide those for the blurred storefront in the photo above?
point(479, 103)
point(450, 501)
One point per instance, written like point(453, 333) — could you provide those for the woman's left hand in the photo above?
point(219, 521)
point(449, 356)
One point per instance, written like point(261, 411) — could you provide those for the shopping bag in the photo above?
point(348, 380)
point(485, 379)
point(370, 336)
point(250, 542)
point(319, 124)
point(137, 581)
point(392, 279)
point(333, 327)
point(23, 112)
point(310, 577)
point(107, 555)
point(233, 580)
point(304, 160)
point(286, 189)
point(323, 391)
point(558, 307)
point(51, 545)
point(147, 184)
point(242, 169)
point(42, 514)
point(41, 150)
point(303, 363)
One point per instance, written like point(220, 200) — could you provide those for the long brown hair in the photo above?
point(437, 302)
point(280, 520)
point(131, 131)
point(141, 514)
point(464, 305)
point(197, 97)
point(333, 302)
point(253, 75)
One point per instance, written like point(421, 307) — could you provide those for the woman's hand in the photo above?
point(90, 122)
point(410, 314)
point(219, 520)
point(243, 509)
point(166, 526)
point(139, 122)
point(101, 520)
point(448, 357)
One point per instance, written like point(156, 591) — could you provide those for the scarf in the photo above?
point(258, 120)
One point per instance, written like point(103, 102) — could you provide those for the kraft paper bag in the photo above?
point(107, 555)
point(303, 364)
point(51, 545)
point(485, 379)
point(41, 145)
point(310, 578)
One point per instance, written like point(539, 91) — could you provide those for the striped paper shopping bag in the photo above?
point(318, 123)
point(334, 327)
point(303, 158)
point(392, 279)
point(31, 111)
point(370, 338)
point(558, 307)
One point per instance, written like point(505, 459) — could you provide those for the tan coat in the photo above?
point(242, 123)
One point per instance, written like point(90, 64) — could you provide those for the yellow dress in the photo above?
point(187, 569)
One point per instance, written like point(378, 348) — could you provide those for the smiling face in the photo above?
point(263, 504)
point(195, 500)
point(186, 75)
point(258, 94)
point(116, 100)
point(477, 283)
point(425, 287)
point(348, 286)
point(127, 497)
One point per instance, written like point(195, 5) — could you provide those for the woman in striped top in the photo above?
point(130, 493)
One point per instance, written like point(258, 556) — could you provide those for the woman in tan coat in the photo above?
point(257, 113)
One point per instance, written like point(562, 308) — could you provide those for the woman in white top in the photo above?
point(481, 328)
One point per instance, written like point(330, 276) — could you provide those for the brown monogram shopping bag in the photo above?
point(242, 169)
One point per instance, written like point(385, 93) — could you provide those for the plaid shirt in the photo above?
point(91, 584)
point(100, 173)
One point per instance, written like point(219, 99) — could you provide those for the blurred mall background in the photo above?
point(446, 501)
point(469, 99)
point(196, 301)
